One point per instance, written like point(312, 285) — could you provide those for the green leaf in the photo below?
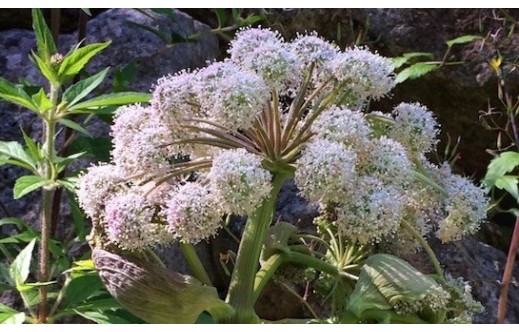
point(77, 217)
point(98, 147)
point(124, 77)
point(82, 88)
point(77, 59)
point(23, 237)
point(44, 40)
point(221, 16)
point(10, 316)
point(16, 156)
point(119, 98)
point(28, 183)
point(463, 40)
point(80, 289)
point(45, 69)
point(386, 282)
point(42, 101)
point(504, 163)
point(32, 146)
point(86, 11)
point(69, 183)
point(73, 125)
point(5, 276)
point(401, 60)
point(18, 222)
point(20, 267)
point(102, 317)
point(10, 92)
point(414, 71)
point(508, 183)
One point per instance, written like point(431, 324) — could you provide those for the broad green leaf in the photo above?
point(503, 164)
point(102, 317)
point(414, 71)
point(20, 267)
point(386, 282)
point(124, 77)
point(10, 316)
point(45, 69)
point(80, 289)
point(28, 183)
point(119, 98)
point(17, 156)
point(98, 147)
point(82, 88)
point(508, 183)
point(10, 92)
point(463, 40)
point(42, 101)
point(74, 125)
point(44, 40)
point(78, 58)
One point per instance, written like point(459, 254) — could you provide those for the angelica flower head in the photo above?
point(240, 181)
point(388, 161)
point(95, 186)
point(128, 222)
point(373, 213)
point(325, 172)
point(312, 49)
point(366, 74)
point(415, 127)
point(230, 96)
point(140, 140)
point(193, 213)
point(341, 125)
point(465, 207)
point(265, 52)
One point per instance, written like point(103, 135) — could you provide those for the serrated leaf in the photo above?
point(28, 183)
point(508, 183)
point(10, 92)
point(119, 98)
point(463, 40)
point(44, 40)
point(414, 71)
point(42, 101)
point(503, 164)
point(16, 156)
point(77, 59)
point(73, 125)
point(82, 88)
point(19, 269)
point(45, 69)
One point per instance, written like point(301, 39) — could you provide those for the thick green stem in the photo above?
point(241, 288)
point(195, 264)
point(265, 273)
point(427, 248)
point(46, 208)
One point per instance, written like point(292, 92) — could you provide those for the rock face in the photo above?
point(129, 43)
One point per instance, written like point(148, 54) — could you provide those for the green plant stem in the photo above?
point(426, 247)
point(241, 288)
point(266, 273)
point(46, 202)
point(195, 264)
point(507, 274)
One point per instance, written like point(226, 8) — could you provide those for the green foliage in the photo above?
point(27, 184)
point(74, 62)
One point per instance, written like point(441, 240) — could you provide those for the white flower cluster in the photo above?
point(238, 178)
point(193, 213)
point(415, 127)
